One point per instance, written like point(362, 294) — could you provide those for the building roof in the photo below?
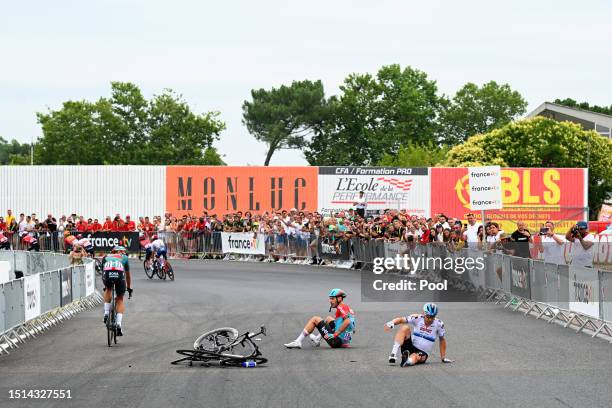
point(589, 120)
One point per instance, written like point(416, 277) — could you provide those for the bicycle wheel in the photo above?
point(216, 340)
point(161, 274)
point(149, 271)
point(110, 322)
point(98, 266)
point(114, 327)
point(196, 356)
point(170, 271)
point(240, 349)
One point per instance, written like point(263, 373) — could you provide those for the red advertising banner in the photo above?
point(533, 195)
point(227, 189)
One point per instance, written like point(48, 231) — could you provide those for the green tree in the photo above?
point(14, 152)
point(284, 117)
point(474, 110)
point(128, 129)
point(542, 142)
point(415, 155)
point(606, 110)
point(375, 115)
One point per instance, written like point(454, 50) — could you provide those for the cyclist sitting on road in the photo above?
point(417, 335)
point(116, 271)
point(337, 332)
point(86, 244)
point(158, 246)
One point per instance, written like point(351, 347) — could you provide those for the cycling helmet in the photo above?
point(154, 237)
point(430, 309)
point(335, 292)
point(118, 248)
point(79, 236)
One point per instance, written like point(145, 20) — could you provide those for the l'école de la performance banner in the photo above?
point(31, 296)
point(105, 241)
point(229, 189)
point(584, 290)
point(248, 243)
point(384, 187)
point(532, 195)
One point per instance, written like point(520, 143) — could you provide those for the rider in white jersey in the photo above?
point(159, 248)
point(85, 243)
point(417, 335)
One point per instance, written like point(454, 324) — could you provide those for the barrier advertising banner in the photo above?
point(485, 188)
point(384, 187)
point(90, 276)
point(532, 195)
point(584, 290)
point(227, 189)
point(31, 296)
point(521, 281)
point(105, 241)
point(66, 286)
point(247, 243)
point(333, 250)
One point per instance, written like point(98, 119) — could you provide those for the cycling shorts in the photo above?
point(327, 329)
point(114, 278)
point(162, 252)
point(409, 347)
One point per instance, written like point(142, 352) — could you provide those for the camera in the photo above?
point(575, 230)
point(544, 230)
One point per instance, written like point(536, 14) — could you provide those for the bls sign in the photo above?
point(230, 189)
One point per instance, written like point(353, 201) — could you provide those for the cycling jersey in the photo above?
point(157, 245)
point(423, 337)
point(343, 311)
point(84, 242)
point(116, 262)
point(70, 240)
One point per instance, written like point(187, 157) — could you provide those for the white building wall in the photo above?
point(91, 191)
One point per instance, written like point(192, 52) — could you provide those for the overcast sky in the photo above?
point(214, 53)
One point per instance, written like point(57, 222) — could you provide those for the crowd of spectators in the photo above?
point(390, 225)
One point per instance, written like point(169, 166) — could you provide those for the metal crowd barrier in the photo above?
point(49, 292)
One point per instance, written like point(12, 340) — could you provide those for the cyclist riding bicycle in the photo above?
point(417, 335)
point(159, 248)
point(337, 332)
point(116, 271)
point(69, 240)
point(86, 244)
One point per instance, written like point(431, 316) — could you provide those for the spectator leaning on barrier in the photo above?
point(583, 244)
point(493, 233)
point(522, 238)
point(551, 245)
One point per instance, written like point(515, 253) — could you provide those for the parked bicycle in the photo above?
point(225, 348)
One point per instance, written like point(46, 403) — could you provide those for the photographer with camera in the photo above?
point(582, 244)
point(551, 245)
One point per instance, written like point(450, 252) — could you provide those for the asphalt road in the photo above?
point(503, 358)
